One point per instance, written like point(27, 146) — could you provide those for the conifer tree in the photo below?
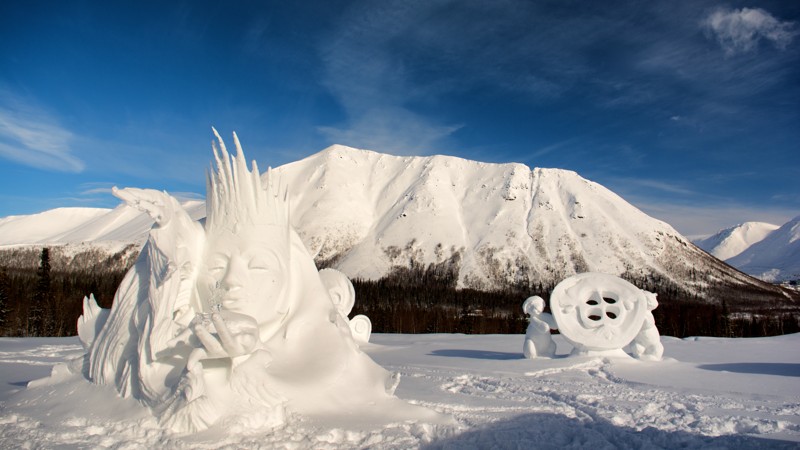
point(4, 296)
point(38, 317)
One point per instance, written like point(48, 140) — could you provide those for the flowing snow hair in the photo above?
point(235, 195)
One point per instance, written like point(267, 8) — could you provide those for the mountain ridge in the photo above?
point(731, 241)
point(368, 213)
point(497, 225)
point(776, 257)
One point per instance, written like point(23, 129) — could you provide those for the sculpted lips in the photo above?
point(231, 301)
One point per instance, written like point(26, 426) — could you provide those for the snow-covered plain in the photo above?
point(706, 393)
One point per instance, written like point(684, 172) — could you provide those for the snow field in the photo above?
point(707, 393)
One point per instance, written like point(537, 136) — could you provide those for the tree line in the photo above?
point(45, 299)
point(426, 300)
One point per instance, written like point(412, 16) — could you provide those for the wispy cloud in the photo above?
point(548, 149)
point(33, 136)
point(648, 183)
point(390, 129)
point(96, 188)
point(740, 30)
point(394, 60)
point(385, 62)
point(700, 220)
point(373, 87)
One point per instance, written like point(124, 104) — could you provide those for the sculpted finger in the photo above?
point(212, 345)
point(228, 342)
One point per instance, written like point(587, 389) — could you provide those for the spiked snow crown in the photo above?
point(235, 195)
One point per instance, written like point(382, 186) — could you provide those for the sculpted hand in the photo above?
point(236, 334)
point(159, 205)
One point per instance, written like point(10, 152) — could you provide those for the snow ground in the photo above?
point(707, 393)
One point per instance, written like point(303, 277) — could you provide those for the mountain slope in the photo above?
point(727, 243)
point(109, 228)
point(500, 224)
point(40, 228)
point(777, 257)
point(494, 226)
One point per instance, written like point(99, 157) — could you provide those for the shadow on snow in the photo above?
point(782, 369)
point(552, 431)
point(476, 354)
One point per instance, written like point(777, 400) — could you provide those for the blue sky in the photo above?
point(690, 110)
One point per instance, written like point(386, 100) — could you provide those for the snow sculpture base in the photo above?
point(602, 314)
point(229, 323)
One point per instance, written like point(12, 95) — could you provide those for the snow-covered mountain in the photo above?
point(367, 213)
point(111, 229)
point(727, 243)
point(43, 227)
point(776, 257)
point(500, 223)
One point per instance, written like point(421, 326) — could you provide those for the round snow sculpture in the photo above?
point(361, 327)
point(597, 311)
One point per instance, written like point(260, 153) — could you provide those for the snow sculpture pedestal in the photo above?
point(603, 314)
point(229, 323)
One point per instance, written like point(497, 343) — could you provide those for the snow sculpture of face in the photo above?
point(596, 311)
point(245, 272)
point(245, 269)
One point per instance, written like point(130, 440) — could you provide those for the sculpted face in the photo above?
point(246, 272)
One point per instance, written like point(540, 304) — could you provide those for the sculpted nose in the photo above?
point(234, 274)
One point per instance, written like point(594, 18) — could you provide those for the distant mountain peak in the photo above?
point(776, 257)
point(729, 242)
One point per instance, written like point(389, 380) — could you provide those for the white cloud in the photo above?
point(739, 31)
point(32, 136)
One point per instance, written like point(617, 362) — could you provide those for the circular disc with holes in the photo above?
point(597, 311)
